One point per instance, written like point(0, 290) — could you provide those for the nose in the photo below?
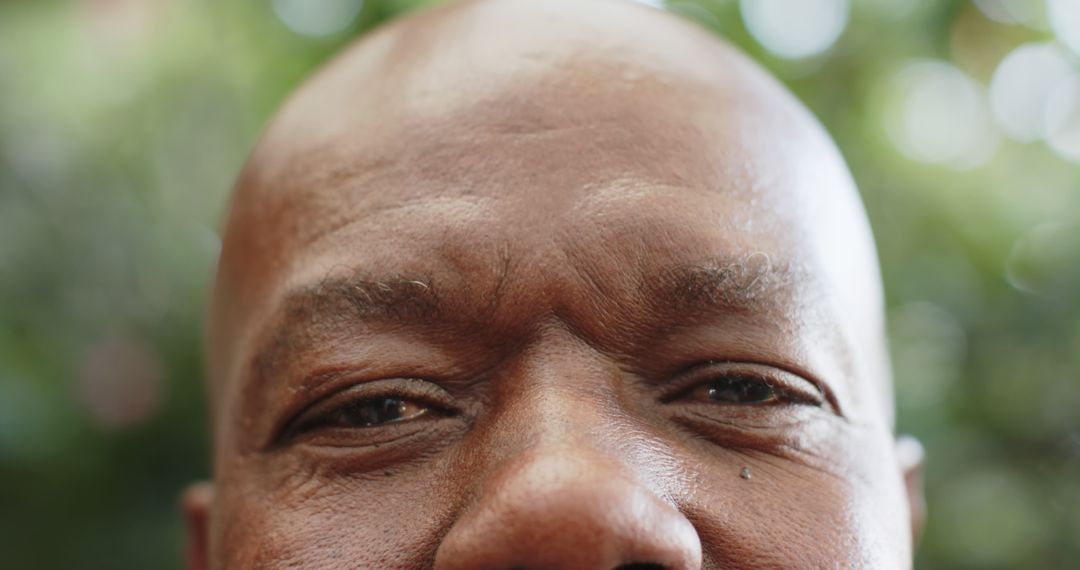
point(562, 509)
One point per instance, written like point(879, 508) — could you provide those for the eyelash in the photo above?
point(315, 417)
point(782, 382)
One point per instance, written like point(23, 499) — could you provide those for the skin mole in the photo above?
point(484, 303)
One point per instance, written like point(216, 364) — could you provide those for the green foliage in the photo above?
point(123, 123)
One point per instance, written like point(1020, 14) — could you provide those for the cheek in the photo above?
point(292, 518)
point(879, 513)
point(789, 513)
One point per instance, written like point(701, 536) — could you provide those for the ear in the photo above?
point(910, 455)
point(195, 505)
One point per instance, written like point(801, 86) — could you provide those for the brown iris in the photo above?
point(372, 412)
point(740, 390)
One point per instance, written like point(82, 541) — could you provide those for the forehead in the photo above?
point(552, 145)
point(610, 100)
point(547, 167)
point(584, 98)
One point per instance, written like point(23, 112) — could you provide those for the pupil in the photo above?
point(378, 411)
point(740, 390)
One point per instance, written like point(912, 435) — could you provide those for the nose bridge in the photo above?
point(557, 487)
point(564, 397)
point(553, 385)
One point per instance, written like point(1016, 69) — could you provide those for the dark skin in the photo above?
point(549, 285)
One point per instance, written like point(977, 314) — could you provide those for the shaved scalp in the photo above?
point(456, 93)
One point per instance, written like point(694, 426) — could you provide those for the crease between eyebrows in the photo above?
point(731, 284)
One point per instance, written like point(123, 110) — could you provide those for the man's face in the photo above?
point(525, 305)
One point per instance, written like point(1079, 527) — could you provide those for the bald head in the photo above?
point(578, 282)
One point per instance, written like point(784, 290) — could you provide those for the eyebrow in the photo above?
point(730, 284)
point(344, 301)
point(735, 283)
point(359, 297)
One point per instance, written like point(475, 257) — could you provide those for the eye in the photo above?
point(752, 406)
point(371, 412)
point(739, 390)
point(744, 384)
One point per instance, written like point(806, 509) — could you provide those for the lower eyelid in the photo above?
point(371, 449)
point(358, 437)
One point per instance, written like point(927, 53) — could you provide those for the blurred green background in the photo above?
point(123, 122)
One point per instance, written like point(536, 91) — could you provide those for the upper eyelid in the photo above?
point(690, 378)
point(378, 388)
point(332, 383)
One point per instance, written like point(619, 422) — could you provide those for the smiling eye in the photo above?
point(744, 384)
point(739, 390)
point(372, 412)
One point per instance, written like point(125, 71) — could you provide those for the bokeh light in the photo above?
point(119, 24)
point(1011, 11)
point(796, 29)
point(1040, 261)
point(1022, 86)
point(939, 115)
point(119, 382)
point(1061, 125)
point(1064, 16)
point(318, 17)
point(1064, 136)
